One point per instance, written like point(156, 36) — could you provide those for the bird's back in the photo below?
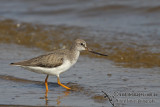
point(52, 59)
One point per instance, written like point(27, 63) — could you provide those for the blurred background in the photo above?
point(127, 30)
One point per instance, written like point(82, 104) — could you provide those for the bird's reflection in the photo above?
point(65, 93)
point(46, 98)
point(59, 98)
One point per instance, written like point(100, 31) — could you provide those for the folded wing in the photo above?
point(49, 61)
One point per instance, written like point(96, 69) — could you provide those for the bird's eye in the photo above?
point(82, 44)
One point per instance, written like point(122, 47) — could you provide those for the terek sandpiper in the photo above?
point(56, 62)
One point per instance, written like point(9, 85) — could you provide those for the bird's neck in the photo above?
point(74, 57)
point(74, 53)
point(73, 47)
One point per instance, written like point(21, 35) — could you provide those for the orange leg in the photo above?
point(46, 83)
point(62, 84)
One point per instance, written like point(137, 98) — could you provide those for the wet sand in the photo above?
point(132, 54)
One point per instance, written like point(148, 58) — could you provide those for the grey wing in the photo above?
point(48, 61)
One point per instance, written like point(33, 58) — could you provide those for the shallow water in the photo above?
point(128, 31)
point(87, 78)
